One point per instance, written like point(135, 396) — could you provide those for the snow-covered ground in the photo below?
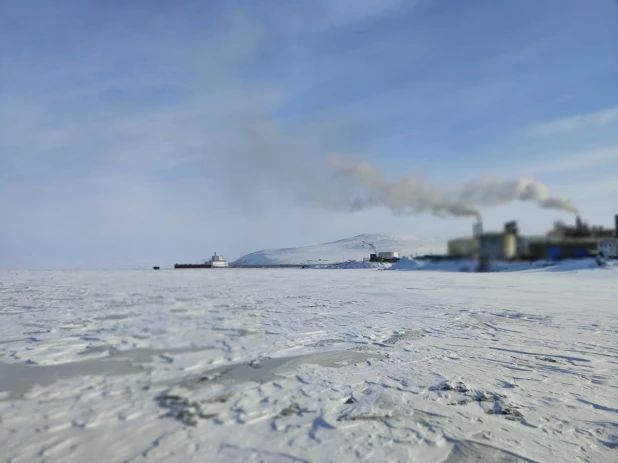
point(354, 249)
point(297, 365)
point(352, 265)
point(471, 265)
point(568, 265)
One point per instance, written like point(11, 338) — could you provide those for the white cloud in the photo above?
point(578, 161)
point(572, 124)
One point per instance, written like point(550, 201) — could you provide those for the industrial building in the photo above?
point(504, 245)
point(561, 248)
point(462, 248)
point(562, 242)
point(498, 246)
point(581, 230)
point(386, 256)
point(381, 256)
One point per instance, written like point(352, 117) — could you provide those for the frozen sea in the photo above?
point(308, 365)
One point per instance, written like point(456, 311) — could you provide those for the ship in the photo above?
point(216, 261)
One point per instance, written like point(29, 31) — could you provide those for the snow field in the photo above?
point(308, 365)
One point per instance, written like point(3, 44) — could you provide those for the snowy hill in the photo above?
point(343, 250)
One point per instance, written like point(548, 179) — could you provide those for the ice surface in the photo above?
point(349, 249)
point(320, 365)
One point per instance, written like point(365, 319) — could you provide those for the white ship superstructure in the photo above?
point(218, 261)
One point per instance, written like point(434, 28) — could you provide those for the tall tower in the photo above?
point(477, 229)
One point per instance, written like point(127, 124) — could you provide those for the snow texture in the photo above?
point(308, 365)
point(349, 249)
point(464, 265)
point(352, 265)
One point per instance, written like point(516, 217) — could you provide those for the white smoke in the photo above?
point(259, 156)
point(494, 191)
point(363, 186)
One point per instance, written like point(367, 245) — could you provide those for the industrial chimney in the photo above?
point(511, 227)
point(616, 225)
point(477, 229)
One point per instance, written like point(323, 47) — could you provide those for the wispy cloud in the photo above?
point(571, 124)
point(576, 162)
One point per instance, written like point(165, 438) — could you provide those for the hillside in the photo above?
point(343, 250)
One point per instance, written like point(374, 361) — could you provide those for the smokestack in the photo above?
point(511, 227)
point(616, 225)
point(578, 223)
point(477, 229)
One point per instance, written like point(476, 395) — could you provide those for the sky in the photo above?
point(138, 133)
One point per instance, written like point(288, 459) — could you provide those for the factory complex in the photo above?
point(562, 242)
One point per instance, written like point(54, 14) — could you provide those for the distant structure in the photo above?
point(387, 256)
point(569, 241)
point(384, 256)
point(462, 248)
point(581, 230)
point(561, 242)
point(468, 247)
point(498, 245)
point(216, 261)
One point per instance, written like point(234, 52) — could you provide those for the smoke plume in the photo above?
point(266, 158)
point(363, 186)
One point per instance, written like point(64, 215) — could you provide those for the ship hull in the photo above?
point(192, 266)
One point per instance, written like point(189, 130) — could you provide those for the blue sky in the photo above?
point(138, 133)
